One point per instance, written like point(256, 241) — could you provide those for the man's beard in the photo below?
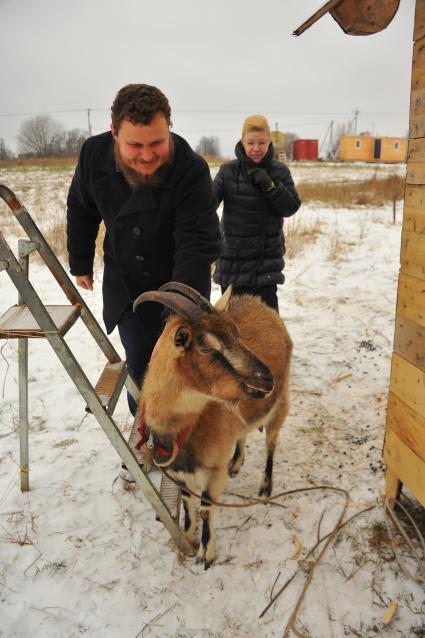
point(135, 179)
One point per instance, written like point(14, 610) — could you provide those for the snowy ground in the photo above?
point(81, 556)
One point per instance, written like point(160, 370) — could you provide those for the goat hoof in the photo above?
point(207, 564)
point(265, 490)
point(232, 470)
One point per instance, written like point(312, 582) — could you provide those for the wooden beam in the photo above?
point(408, 384)
point(419, 31)
point(316, 16)
point(416, 161)
point(409, 341)
point(406, 465)
point(412, 254)
point(414, 209)
point(407, 425)
point(411, 298)
point(417, 112)
point(418, 65)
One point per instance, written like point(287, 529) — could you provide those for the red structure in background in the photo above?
point(305, 149)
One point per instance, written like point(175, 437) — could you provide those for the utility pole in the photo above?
point(355, 118)
point(88, 121)
point(331, 137)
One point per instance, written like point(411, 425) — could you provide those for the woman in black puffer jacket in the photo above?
point(258, 192)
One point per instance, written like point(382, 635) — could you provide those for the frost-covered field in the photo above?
point(79, 555)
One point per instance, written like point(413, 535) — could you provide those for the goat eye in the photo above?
point(205, 349)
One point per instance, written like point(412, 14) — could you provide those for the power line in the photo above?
point(212, 111)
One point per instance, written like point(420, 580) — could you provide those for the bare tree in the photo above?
point(73, 142)
point(5, 152)
point(40, 136)
point(209, 145)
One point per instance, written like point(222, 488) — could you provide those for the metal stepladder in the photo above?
point(32, 319)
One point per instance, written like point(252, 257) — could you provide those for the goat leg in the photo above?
point(238, 457)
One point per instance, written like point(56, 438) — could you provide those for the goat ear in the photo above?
point(223, 303)
point(183, 337)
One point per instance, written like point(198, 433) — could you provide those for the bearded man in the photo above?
point(155, 197)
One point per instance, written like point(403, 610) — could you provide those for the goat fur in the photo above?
point(197, 380)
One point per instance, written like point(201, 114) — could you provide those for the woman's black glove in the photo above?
point(261, 178)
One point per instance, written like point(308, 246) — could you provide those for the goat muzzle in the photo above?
point(260, 385)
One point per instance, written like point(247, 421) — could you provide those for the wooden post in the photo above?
point(404, 448)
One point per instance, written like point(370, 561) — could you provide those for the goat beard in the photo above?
point(134, 179)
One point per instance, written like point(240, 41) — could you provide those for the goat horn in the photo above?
point(181, 305)
point(171, 459)
point(189, 293)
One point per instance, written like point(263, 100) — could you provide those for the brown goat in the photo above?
point(217, 373)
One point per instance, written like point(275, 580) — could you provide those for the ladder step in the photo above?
point(170, 494)
point(110, 384)
point(19, 322)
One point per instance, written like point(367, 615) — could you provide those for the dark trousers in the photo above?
point(139, 333)
point(268, 294)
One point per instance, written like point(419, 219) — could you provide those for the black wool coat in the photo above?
point(153, 235)
point(253, 243)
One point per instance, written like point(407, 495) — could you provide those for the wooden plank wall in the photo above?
point(404, 448)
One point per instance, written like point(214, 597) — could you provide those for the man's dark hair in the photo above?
point(139, 103)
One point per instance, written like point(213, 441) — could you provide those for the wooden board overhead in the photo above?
point(364, 17)
point(411, 298)
point(409, 341)
point(412, 255)
point(408, 384)
point(414, 209)
point(355, 17)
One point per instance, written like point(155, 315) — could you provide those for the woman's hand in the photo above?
point(261, 178)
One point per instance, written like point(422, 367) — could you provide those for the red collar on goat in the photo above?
point(144, 436)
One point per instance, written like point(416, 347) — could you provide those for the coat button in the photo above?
point(140, 258)
point(119, 225)
point(124, 271)
point(146, 274)
point(137, 231)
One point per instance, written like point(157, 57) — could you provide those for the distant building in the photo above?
point(364, 148)
point(305, 149)
point(280, 145)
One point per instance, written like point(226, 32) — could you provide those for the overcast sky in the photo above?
point(217, 62)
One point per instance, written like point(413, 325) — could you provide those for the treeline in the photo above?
point(43, 136)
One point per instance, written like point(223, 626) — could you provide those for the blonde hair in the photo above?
point(256, 123)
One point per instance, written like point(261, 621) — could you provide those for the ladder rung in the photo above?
point(19, 322)
point(170, 494)
point(110, 384)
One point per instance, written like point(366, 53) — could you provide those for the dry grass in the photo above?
point(350, 194)
point(299, 234)
point(50, 163)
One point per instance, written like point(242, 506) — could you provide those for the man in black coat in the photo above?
point(155, 197)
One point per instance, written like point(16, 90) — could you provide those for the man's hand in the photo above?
point(261, 178)
point(84, 281)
